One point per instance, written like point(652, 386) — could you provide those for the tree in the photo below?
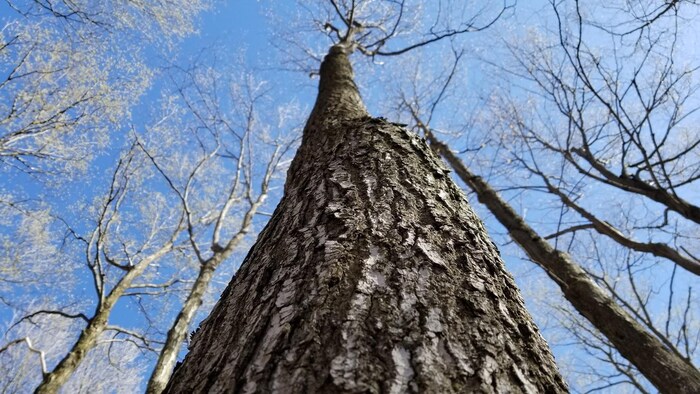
point(657, 358)
point(663, 365)
point(108, 367)
point(134, 247)
point(373, 273)
point(71, 71)
point(214, 239)
point(626, 129)
point(570, 90)
point(606, 133)
point(582, 134)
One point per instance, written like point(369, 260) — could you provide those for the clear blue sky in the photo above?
point(239, 27)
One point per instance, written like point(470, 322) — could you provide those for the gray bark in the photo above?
point(665, 369)
point(178, 331)
point(373, 275)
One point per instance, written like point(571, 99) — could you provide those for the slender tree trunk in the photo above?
point(53, 381)
point(178, 331)
point(665, 369)
point(373, 275)
point(66, 367)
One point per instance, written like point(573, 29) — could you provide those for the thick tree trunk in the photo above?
point(373, 275)
point(667, 370)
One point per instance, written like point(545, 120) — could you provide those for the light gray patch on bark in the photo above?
point(433, 256)
point(403, 370)
point(344, 366)
point(526, 384)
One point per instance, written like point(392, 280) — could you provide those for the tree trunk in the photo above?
point(53, 380)
point(373, 275)
point(178, 331)
point(665, 369)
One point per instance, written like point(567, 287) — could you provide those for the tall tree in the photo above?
point(659, 361)
point(188, 222)
point(605, 126)
point(372, 275)
point(595, 124)
point(71, 72)
point(626, 99)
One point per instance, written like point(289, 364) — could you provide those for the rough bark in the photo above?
point(178, 331)
point(373, 275)
point(665, 369)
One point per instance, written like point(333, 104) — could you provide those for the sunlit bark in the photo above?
point(373, 275)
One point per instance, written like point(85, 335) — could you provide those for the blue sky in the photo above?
point(240, 29)
point(234, 28)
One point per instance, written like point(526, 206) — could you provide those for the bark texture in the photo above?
point(373, 275)
point(669, 371)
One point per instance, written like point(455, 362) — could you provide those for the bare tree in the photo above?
point(71, 71)
point(112, 365)
point(585, 99)
point(215, 237)
point(608, 132)
point(372, 275)
point(660, 362)
point(139, 249)
point(623, 125)
point(106, 252)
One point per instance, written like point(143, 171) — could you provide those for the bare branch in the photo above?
point(30, 346)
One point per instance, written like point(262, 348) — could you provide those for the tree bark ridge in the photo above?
point(663, 368)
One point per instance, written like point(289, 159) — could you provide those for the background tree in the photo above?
point(622, 111)
point(144, 251)
point(224, 228)
point(501, 114)
point(71, 71)
point(582, 79)
point(111, 366)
